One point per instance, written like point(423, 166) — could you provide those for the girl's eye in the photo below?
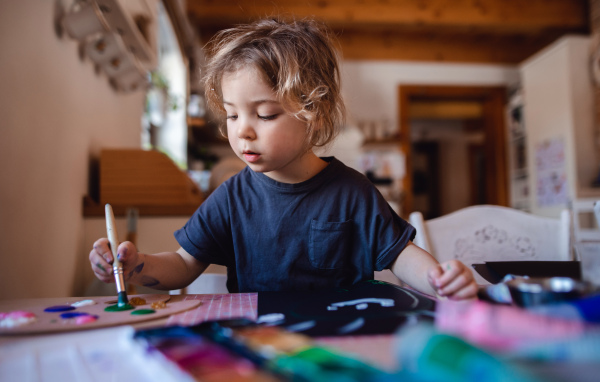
point(268, 117)
point(232, 117)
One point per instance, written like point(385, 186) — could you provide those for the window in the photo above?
point(164, 122)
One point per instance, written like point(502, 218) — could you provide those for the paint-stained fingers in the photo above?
point(100, 267)
point(100, 258)
point(102, 248)
point(449, 271)
point(129, 258)
point(102, 273)
point(127, 252)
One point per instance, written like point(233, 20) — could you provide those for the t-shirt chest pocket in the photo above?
point(330, 243)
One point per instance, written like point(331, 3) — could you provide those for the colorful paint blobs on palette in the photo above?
point(137, 301)
point(88, 318)
point(72, 314)
point(139, 312)
point(59, 308)
point(117, 308)
point(68, 315)
point(80, 317)
point(81, 303)
point(16, 318)
point(158, 305)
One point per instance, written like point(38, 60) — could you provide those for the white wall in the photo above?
point(370, 88)
point(56, 111)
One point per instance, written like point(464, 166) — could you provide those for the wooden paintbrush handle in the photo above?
point(111, 231)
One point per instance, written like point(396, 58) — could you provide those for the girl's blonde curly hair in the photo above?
point(297, 59)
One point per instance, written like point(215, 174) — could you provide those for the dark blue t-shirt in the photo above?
point(332, 230)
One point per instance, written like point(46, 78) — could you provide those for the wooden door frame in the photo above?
point(493, 100)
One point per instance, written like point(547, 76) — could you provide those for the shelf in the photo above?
point(384, 141)
point(93, 209)
point(144, 179)
point(196, 122)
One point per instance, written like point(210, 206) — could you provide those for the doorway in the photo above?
point(454, 140)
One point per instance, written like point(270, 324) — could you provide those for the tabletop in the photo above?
point(109, 354)
point(23, 353)
point(376, 349)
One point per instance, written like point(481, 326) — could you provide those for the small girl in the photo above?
point(290, 220)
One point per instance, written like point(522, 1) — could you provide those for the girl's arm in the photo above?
point(421, 270)
point(166, 270)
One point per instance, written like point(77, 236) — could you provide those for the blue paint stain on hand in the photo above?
point(138, 268)
point(120, 255)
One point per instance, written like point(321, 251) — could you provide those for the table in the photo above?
point(24, 356)
point(376, 349)
point(108, 355)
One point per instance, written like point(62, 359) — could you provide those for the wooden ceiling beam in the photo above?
point(478, 31)
point(387, 45)
point(360, 45)
point(499, 16)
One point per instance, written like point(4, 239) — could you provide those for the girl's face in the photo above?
point(260, 131)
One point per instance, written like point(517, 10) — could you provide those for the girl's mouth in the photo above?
point(251, 157)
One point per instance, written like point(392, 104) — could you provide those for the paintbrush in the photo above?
point(111, 230)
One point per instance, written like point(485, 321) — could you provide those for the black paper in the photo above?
point(370, 307)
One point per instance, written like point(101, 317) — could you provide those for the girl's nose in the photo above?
point(246, 131)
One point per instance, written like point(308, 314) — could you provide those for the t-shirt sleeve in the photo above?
point(387, 232)
point(207, 234)
point(403, 233)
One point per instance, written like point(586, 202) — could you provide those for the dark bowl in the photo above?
point(551, 290)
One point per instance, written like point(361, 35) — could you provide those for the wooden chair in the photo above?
point(483, 233)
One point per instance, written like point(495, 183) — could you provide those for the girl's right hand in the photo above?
point(101, 259)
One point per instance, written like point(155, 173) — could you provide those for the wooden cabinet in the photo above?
point(561, 148)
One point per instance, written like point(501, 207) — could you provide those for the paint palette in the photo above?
point(70, 314)
point(219, 351)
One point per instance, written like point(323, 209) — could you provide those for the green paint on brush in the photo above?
point(122, 299)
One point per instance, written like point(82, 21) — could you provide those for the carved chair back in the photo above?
point(483, 233)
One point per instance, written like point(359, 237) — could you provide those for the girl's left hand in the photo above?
point(453, 279)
